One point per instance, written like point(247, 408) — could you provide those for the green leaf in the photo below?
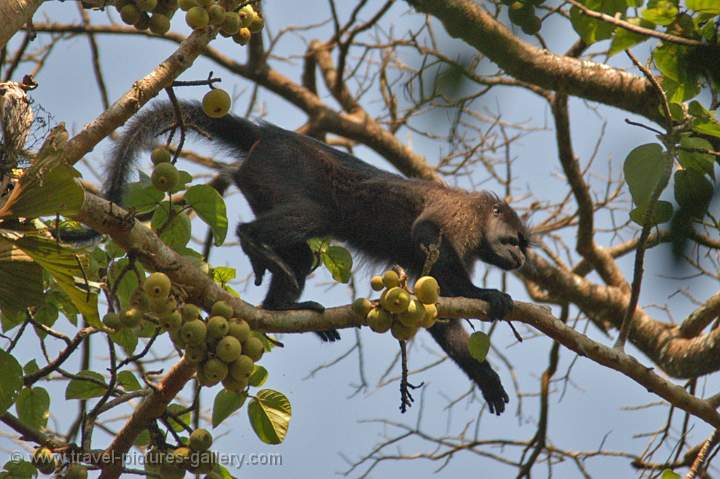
point(590, 29)
point(128, 381)
point(680, 81)
point(182, 414)
point(18, 469)
point(707, 127)
point(669, 474)
point(210, 207)
point(47, 314)
point(64, 304)
point(31, 367)
point(701, 162)
point(11, 319)
point(176, 233)
point(226, 402)
point(11, 380)
point(258, 376)
point(114, 250)
point(646, 167)
point(676, 111)
point(662, 12)
point(45, 192)
point(693, 191)
point(79, 388)
point(661, 214)
point(21, 279)
point(270, 414)
point(33, 407)
point(479, 345)
point(142, 439)
point(668, 59)
point(126, 338)
point(680, 92)
point(68, 268)
point(704, 6)
point(267, 344)
point(184, 177)
point(623, 39)
point(317, 244)
point(696, 109)
point(223, 274)
point(128, 280)
point(339, 262)
point(142, 196)
point(708, 31)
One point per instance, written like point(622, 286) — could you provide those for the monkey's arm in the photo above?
point(454, 280)
point(451, 273)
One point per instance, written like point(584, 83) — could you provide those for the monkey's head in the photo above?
point(505, 238)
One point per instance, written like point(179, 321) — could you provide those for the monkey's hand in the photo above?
point(500, 303)
point(491, 387)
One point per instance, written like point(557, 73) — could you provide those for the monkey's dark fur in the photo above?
point(300, 188)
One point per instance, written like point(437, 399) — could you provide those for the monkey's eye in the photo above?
point(496, 210)
point(511, 240)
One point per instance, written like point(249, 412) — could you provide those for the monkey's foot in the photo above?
point(311, 305)
point(263, 257)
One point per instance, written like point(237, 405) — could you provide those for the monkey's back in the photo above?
point(342, 196)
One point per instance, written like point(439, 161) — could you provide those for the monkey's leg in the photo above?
point(276, 241)
point(281, 296)
point(263, 258)
point(283, 225)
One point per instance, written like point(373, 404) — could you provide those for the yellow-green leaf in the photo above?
point(21, 281)
point(87, 385)
point(269, 414)
point(69, 268)
point(226, 402)
point(33, 407)
point(11, 380)
point(43, 191)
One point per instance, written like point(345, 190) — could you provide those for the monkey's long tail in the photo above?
point(148, 128)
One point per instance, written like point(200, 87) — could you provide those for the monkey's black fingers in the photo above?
point(500, 303)
point(492, 389)
point(330, 335)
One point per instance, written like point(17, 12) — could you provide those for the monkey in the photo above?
point(299, 188)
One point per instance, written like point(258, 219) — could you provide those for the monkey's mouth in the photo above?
point(509, 259)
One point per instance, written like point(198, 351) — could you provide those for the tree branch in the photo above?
point(142, 91)
point(467, 20)
point(141, 241)
point(15, 14)
point(358, 126)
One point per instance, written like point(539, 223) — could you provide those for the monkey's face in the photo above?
point(505, 239)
